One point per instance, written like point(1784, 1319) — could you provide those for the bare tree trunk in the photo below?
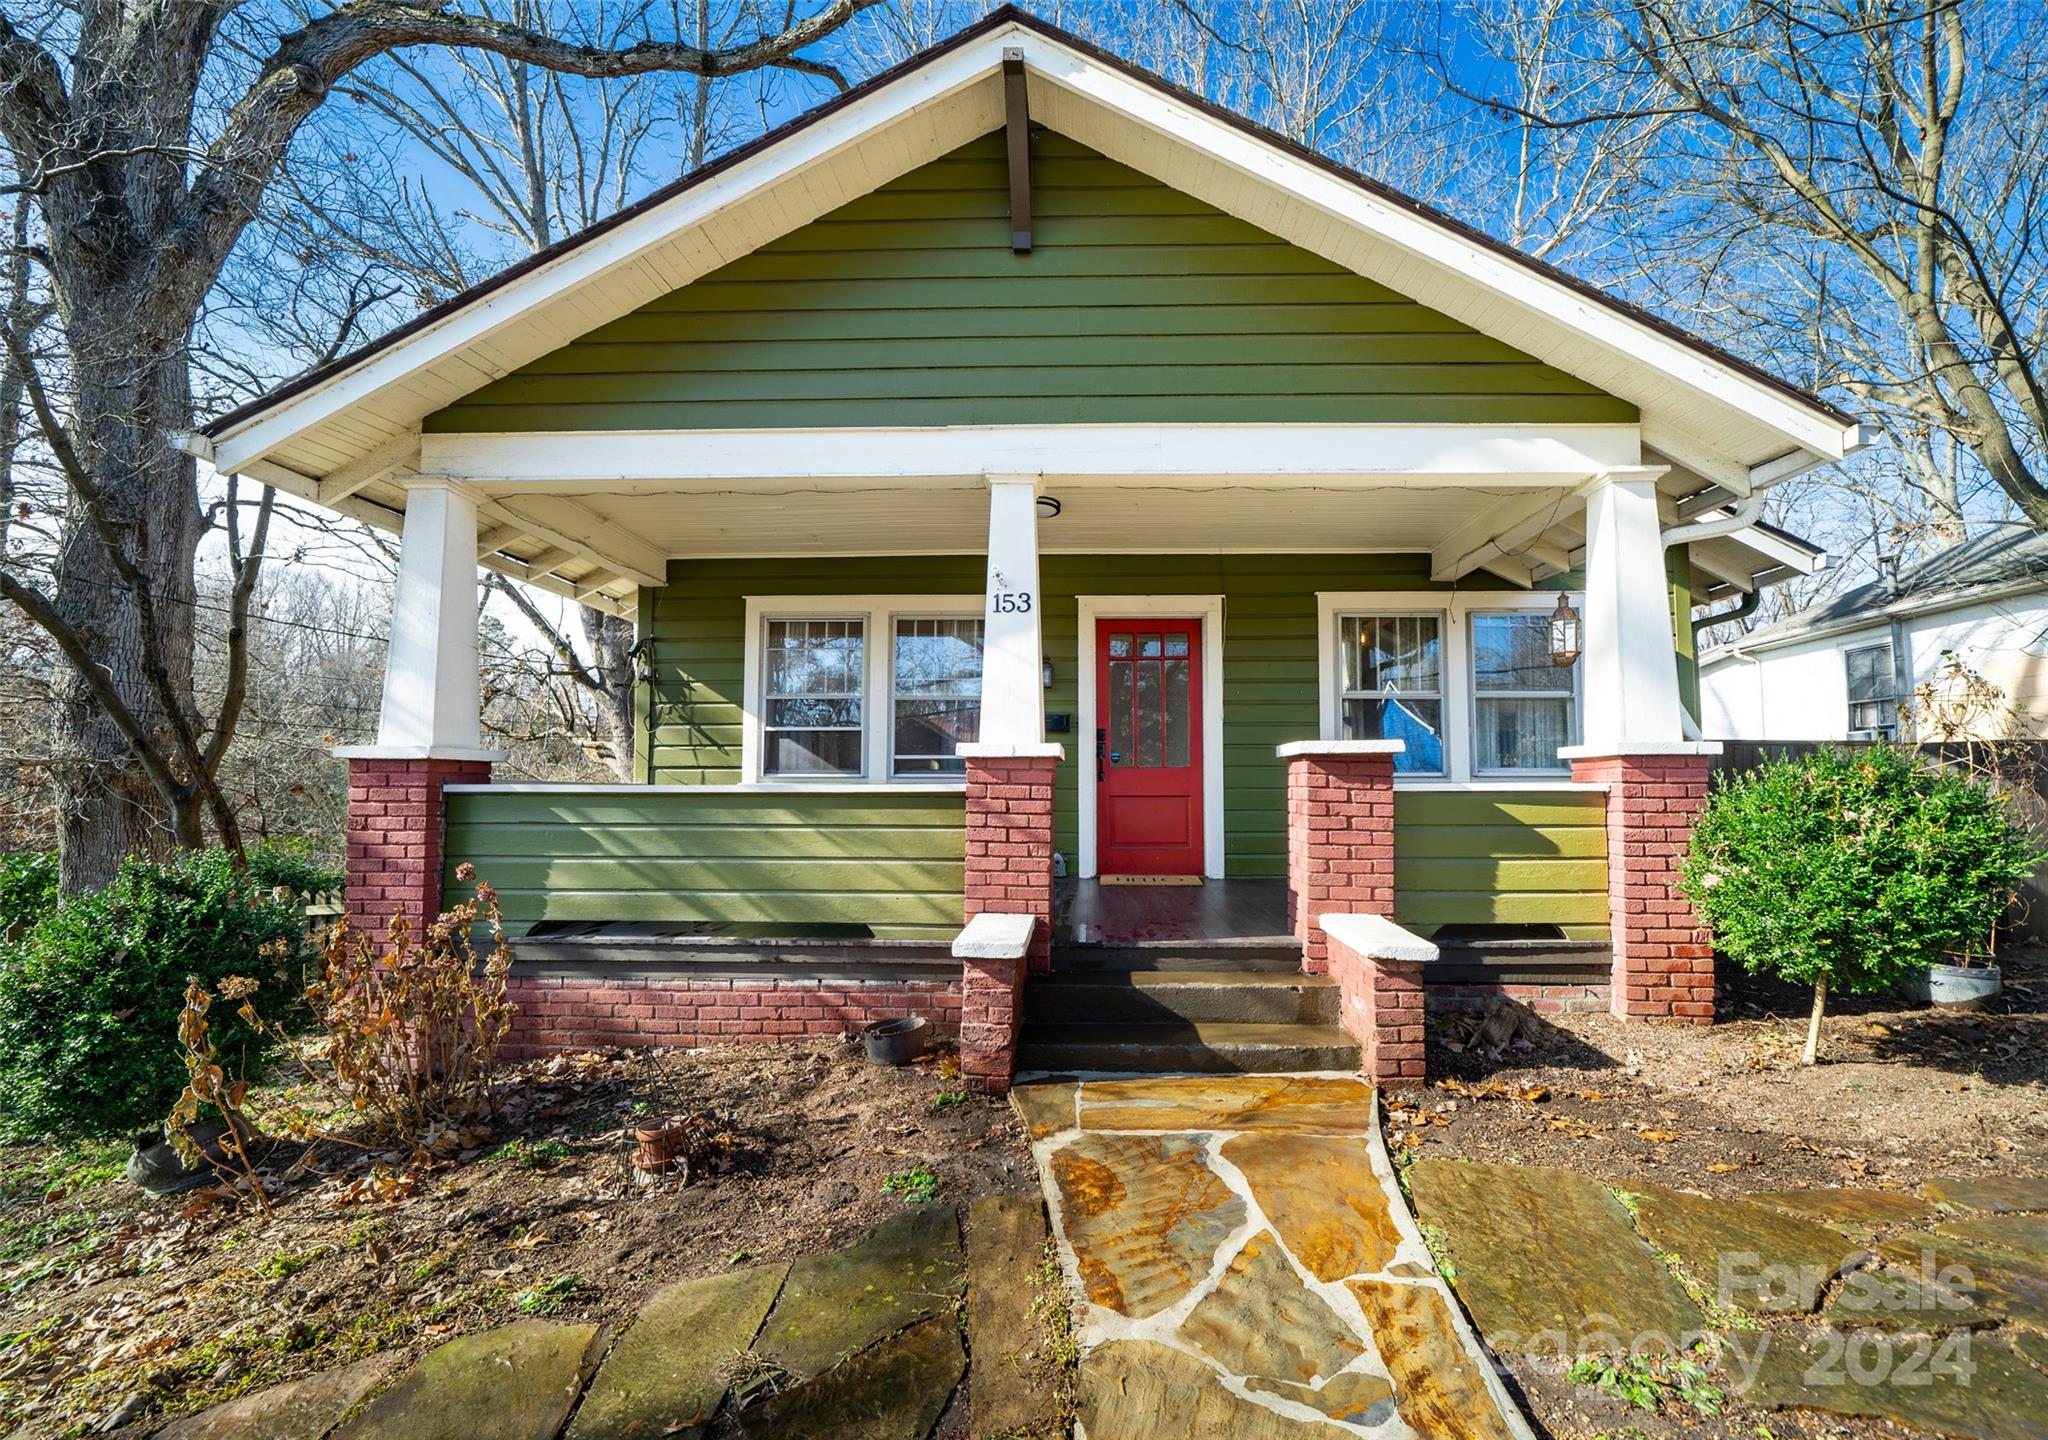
point(611, 649)
point(126, 403)
point(1820, 1005)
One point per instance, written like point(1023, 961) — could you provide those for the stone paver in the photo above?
point(1234, 1262)
point(2018, 1234)
point(1006, 1239)
point(1298, 1104)
point(1853, 1212)
point(2000, 1194)
point(513, 1383)
point(1046, 1107)
point(2001, 1397)
point(1439, 1387)
point(1144, 1214)
point(895, 1391)
point(1293, 1177)
point(1751, 1257)
point(664, 1375)
point(297, 1410)
point(845, 1300)
point(1142, 1390)
point(1548, 1261)
point(2009, 1285)
point(1261, 1320)
point(1888, 1299)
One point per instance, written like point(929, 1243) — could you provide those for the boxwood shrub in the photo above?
point(90, 993)
point(1846, 869)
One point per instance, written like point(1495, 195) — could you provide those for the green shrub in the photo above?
point(1845, 870)
point(28, 888)
point(90, 995)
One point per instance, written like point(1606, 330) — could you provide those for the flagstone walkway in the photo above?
point(1243, 1265)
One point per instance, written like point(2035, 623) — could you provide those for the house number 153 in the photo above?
point(1013, 602)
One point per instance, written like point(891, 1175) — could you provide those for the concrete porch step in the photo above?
point(1282, 955)
point(1205, 1047)
point(1255, 997)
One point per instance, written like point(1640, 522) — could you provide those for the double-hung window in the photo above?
point(812, 712)
point(860, 689)
point(1524, 704)
point(1873, 691)
point(1391, 670)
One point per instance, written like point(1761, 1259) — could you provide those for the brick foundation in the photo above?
point(1544, 999)
point(1009, 872)
point(1663, 958)
point(1381, 1007)
point(396, 827)
point(567, 1012)
point(1340, 843)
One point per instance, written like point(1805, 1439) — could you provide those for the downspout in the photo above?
point(1746, 608)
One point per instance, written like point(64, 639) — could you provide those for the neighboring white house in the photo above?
point(1841, 670)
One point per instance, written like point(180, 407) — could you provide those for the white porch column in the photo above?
point(1013, 652)
point(431, 697)
point(1631, 685)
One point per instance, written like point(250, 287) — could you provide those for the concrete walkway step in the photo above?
point(1254, 997)
point(1198, 1047)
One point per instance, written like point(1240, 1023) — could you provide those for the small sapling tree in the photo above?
point(1845, 870)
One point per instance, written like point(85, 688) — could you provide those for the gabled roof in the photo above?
point(1716, 415)
point(2005, 559)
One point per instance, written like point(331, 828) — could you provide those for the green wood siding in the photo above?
point(1137, 303)
point(776, 863)
point(1503, 858)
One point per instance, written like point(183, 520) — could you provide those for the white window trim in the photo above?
point(1209, 610)
point(878, 613)
point(1457, 607)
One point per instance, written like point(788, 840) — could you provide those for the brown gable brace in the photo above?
point(1017, 121)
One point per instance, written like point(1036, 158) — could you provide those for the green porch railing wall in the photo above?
point(771, 861)
point(1501, 857)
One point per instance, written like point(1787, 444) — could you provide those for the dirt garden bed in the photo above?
point(1905, 1093)
point(110, 1300)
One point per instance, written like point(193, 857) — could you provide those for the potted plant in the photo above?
point(1850, 871)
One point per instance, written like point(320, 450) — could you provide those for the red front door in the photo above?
point(1148, 747)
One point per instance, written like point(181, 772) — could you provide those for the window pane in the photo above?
point(1520, 734)
point(1176, 645)
point(1120, 647)
point(812, 709)
point(1512, 652)
point(1392, 654)
point(937, 695)
point(813, 752)
point(1418, 722)
point(1120, 688)
point(1147, 719)
point(1870, 673)
point(1176, 703)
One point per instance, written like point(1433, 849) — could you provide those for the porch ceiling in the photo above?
point(952, 517)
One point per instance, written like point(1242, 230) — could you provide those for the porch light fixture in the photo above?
point(1048, 674)
point(1564, 634)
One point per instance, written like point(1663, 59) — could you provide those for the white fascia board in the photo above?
point(1423, 454)
point(623, 245)
point(1429, 243)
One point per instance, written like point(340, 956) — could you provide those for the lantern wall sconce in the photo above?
point(1048, 674)
point(1564, 634)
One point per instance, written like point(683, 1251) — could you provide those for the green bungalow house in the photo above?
point(1111, 581)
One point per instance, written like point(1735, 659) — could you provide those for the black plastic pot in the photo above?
point(896, 1042)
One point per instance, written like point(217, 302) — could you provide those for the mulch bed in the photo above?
point(106, 1295)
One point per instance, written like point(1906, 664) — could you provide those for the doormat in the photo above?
point(1149, 879)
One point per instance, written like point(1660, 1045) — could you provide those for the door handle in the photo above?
point(1100, 737)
